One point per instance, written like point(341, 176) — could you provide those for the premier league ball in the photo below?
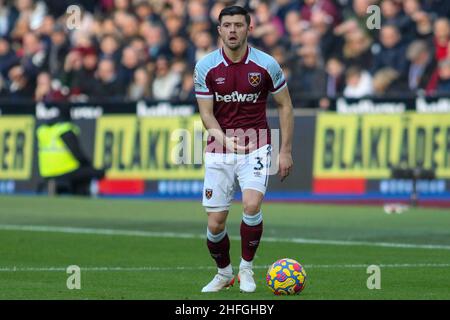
point(286, 277)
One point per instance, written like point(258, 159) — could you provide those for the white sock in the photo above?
point(252, 220)
point(227, 271)
point(246, 264)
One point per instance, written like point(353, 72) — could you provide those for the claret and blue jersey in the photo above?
point(239, 89)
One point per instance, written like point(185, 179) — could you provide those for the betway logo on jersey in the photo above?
point(238, 97)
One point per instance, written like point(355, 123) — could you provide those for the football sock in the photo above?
point(246, 264)
point(219, 248)
point(251, 232)
point(227, 271)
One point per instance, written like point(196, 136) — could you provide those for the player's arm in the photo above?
point(284, 105)
point(206, 109)
point(204, 94)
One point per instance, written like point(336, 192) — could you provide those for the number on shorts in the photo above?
point(259, 163)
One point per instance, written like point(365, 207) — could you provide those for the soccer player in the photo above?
point(232, 85)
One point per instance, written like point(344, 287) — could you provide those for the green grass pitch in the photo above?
point(146, 249)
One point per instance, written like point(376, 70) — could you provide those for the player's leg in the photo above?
point(218, 244)
point(251, 233)
point(253, 179)
point(217, 196)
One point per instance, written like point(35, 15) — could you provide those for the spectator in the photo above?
point(59, 48)
point(185, 90)
point(109, 48)
point(143, 10)
point(20, 29)
point(45, 29)
point(8, 57)
point(309, 77)
point(326, 7)
point(214, 12)
point(138, 44)
point(31, 12)
point(166, 80)
point(295, 36)
point(204, 44)
point(441, 38)
point(48, 90)
point(334, 81)
point(335, 77)
point(107, 85)
point(310, 38)
point(8, 18)
point(122, 6)
point(34, 57)
point(329, 44)
point(443, 86)
point(20, 86)
point(270, 38)
point(283, 7)
point(265, 22)
point(129, 27)
point(358, 83)
point(422, 65)
point(85, 79)
point(279, 53)
point(196, 11)
point(108, 27)
point(392, 14)
point(43, 87)
point(128, 65)
point(140, 87)
point(174, 25)
point(185, 31)
point(355, 17)
point(357, 50)
point(154, 38)
point(391, 52)
point(293, 21)
point(180, 48)
point(387, 82)
point(422, 22)
point(72, 75)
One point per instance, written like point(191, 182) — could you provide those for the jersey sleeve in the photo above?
point(276, 75)
point(201, 86)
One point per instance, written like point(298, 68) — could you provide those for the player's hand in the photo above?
point(232, 144)
point(285, 164)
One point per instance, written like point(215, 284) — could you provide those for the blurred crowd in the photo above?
point(146, 49)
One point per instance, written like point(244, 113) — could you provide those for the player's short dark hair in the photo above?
point(234, 10)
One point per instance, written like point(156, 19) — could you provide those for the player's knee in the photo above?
point(251, 206)
point(216, 227)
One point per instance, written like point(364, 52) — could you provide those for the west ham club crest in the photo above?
point(254, 78)
point(208, 193)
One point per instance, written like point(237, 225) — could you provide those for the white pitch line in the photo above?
point(152, 234)
point(149, 268)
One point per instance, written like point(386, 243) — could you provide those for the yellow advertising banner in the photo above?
point(16, 147)
point(149, 148)
point(368, 146)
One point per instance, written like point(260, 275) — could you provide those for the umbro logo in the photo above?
point(220, 80)
point(253, 243)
